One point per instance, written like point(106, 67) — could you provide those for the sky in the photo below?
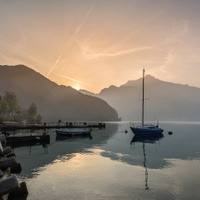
point(92, 44)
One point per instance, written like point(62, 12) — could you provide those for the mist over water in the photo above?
point(113, 164)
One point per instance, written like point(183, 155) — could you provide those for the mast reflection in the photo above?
point(146, 139)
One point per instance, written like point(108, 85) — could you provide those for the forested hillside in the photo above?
point(54, 102)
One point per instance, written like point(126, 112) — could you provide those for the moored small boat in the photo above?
point(146, 130)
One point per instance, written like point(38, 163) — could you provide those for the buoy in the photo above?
point(170, 132)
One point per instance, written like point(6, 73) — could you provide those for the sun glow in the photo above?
point(76, 87)
point(71, 45)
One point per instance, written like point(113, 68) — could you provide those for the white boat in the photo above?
point(147, 129)
point(74, 131)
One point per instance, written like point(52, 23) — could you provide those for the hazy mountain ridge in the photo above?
point(167, 101)
point(87, 92)
point(54, 102)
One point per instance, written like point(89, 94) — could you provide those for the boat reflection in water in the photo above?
point(73, 137)
point(151, 139)
point(147, 138)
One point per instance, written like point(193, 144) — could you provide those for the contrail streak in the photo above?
point(72, 79)
point(92, 55)
point(57, 61)
point(76, 33)
point(84, 20)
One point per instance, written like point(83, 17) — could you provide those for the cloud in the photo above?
point(76, 33)
point(168, 61)
point(89, 54)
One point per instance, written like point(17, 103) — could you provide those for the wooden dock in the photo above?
point(27, 140)
point(52, 125)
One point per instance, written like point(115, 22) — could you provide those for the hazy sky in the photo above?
point(92, 44)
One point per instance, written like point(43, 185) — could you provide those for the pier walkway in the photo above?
point(51, 125)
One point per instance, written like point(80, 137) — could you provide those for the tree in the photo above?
point(4, 107)
point(39, 118)
point(33, 115)
point(10, 110)
point(11, 100)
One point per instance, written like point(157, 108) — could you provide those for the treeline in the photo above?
point(10, 110)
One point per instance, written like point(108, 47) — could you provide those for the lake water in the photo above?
point(115, 165)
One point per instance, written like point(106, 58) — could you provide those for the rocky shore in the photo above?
point(10, 188)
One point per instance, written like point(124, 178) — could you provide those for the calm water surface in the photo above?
point(115, 165)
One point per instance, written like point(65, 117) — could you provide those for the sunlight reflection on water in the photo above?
point(112, 165)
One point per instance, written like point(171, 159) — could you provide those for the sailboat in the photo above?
point(145, 129)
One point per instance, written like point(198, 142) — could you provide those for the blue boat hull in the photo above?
point(153, 130)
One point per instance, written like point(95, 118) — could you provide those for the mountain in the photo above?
point(54, 102)
point(166, 101)
point(87, 92)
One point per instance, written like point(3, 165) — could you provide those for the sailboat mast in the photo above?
point(143, 97)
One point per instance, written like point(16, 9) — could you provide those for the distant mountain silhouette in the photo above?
point(54, 102)
point(87, 92)
point(166, 101)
